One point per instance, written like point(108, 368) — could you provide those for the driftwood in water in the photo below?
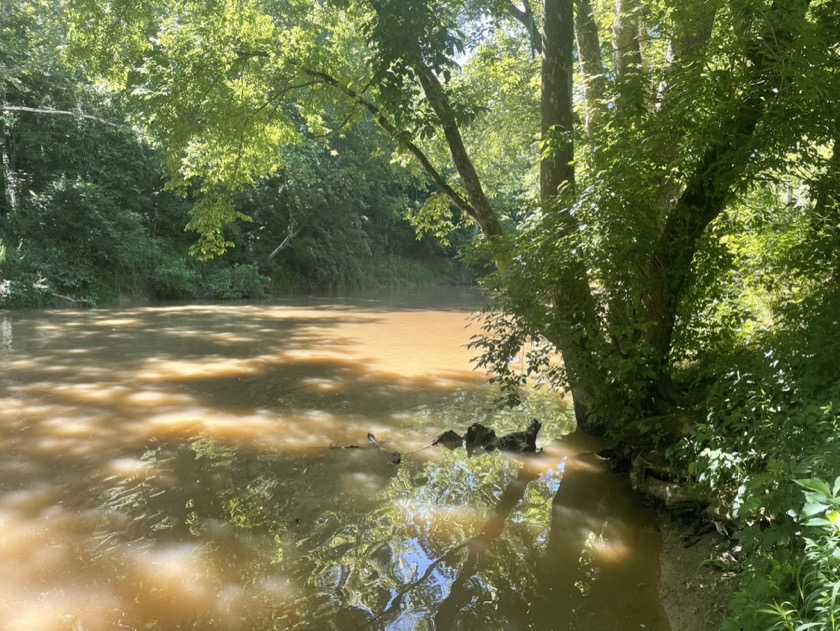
point(479, 436)
point(396, 457)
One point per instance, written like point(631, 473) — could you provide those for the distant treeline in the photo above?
point(87, 213)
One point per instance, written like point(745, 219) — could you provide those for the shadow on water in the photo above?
point(187, 467)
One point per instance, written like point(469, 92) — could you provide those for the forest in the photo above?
point(648, 188)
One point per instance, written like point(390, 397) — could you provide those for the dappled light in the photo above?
point(209, 467)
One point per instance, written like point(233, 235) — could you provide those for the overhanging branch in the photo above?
point(526, 17)
point(391, 129)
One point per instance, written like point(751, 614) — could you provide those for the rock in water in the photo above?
point(480, 436)
point(449, 439)
point(521, 441)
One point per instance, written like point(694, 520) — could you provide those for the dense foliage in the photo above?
point(763, 361)
point(88, 214)
point(657, 182)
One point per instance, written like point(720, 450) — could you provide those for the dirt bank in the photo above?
point(693, 589)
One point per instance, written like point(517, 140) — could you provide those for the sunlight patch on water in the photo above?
point(129, 467)
point(321, 384)
point(178, 570)
point(156, 370)
point(154, 398)
point(119, 322)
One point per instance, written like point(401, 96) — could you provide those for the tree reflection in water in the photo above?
point(443, 541)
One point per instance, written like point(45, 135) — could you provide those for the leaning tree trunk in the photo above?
point(713, 182)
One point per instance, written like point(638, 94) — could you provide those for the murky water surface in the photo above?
point(186, 467)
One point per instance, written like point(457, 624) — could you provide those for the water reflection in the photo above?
point(183, 468)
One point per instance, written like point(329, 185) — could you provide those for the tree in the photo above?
point(682, 106)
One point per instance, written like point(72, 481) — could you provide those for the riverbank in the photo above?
point(694, 591)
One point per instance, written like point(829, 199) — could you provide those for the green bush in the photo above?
point(175, 280)
point(237, 282)
point(770, 441)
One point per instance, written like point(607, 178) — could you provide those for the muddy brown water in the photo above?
point(184, 467)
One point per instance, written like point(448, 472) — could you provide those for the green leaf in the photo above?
point(816, 485)
point(812, 508)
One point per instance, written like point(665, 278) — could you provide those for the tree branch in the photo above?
point(52, 112)
point(526, 17)
point(286, 241)
point(483, 215)
point(389, 127)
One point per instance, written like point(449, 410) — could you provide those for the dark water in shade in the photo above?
point(181, 467)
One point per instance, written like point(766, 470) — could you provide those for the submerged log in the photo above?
point(478, 436)
point(525, 442)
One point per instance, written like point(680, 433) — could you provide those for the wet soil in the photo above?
point(693, 589)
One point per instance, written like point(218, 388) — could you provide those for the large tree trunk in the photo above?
point(575, 329)
point(713, 182)
point(627, 57)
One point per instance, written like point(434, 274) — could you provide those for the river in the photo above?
point(208, 467)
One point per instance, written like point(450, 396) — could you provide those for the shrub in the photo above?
point(175, 280)
point(235, 283)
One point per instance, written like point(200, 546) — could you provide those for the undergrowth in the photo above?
point(770, 449)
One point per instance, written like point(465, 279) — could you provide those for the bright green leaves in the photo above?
point(822, 504)
point(408, 32)
point(206, 90)
point(435, 217)
point(210, 82)
point(213, 210)
point(107, 36)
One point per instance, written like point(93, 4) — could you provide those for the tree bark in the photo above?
point(692, 32)
point(556, 105)
point(591, 65)
point(627, 56)
point(704, 198)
